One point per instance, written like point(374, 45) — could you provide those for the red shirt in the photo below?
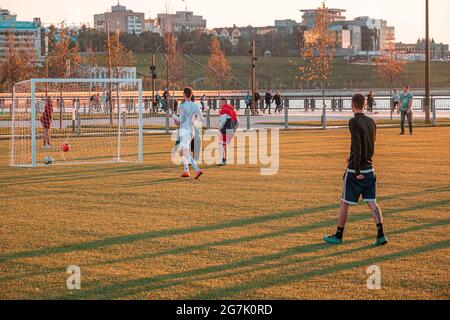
point(48, 114)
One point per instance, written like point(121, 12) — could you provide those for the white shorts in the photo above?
point(186, 137)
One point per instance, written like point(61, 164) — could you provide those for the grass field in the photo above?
point(239, 235)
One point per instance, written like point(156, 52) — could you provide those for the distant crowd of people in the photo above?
point(269, 99)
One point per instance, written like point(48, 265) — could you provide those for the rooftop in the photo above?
point(329, 9)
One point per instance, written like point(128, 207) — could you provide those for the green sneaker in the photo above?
point(332, 240)
point(381, 242)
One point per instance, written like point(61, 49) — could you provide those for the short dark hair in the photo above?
point(187, 92)
point(224, 100)
point(406, 86)
point(358, 101)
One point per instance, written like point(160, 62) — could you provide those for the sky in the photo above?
point(406, 15)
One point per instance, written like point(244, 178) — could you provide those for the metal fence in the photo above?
point(295, 112)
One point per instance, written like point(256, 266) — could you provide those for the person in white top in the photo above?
point(395, 102)
point(188, 111)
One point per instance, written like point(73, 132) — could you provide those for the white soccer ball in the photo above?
point(48, 160)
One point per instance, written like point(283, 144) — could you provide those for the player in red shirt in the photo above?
point(228, 124)
point(46, 121)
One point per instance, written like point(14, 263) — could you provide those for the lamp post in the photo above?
point(110, 73)
point(254, 59)
point(154, 74)
point(427, 63)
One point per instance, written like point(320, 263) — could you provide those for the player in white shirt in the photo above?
point(188, 111)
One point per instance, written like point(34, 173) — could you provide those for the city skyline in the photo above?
point(409, 26)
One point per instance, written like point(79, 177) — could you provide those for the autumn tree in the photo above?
point(389, 68)
point(119, 55)
point(218, 69)
point(17, 65)
point(116, 59)
point(174, 60)
point(64, 60)
point(317, 52)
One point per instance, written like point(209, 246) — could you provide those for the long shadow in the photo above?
point(149, 183)
point(227, 242)
point(159, 234)
point(82, 171)
point(223, 293)
point(100, 173)
point(104, 172)
point(254, 264)
point(175, 232)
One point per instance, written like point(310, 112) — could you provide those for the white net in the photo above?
point(76, 121)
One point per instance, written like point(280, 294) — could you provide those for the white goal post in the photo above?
point(76, 121)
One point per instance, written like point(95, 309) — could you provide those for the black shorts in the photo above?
point(354, 188)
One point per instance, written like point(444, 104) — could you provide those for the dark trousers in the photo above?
point(268, 106)
point(402, 121)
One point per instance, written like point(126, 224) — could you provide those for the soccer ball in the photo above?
point(48, 160)
point(65, 147)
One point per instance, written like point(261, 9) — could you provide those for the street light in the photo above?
point(154, 74)
point(253, 61)
point(427, 63)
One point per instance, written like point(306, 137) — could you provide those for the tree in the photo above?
point(116, 59)
point(174, 60)
point(218, 68)
point(120, 56)
point(64, 60)
point(90, 38)
point(389, 68)
point(317, 52)
point(17, 65)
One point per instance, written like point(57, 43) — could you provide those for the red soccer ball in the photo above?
point(65, 147)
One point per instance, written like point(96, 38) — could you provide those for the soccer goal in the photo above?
point(76, 121)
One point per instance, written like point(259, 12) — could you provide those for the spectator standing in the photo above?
point(46, 121)
point(406, 101)
point(395, 102)
point(268, 101)
point(203, 102)
point(257, 99)
point(277, 100)
point(370, 101)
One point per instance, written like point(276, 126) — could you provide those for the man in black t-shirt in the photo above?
point(360, 178)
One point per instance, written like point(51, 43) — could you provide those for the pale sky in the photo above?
point(406, 15)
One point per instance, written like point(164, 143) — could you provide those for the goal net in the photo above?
point(76, 121)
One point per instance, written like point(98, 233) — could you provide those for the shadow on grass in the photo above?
point(107, 171)
point(100, 172)
point(253, 264)
point(190, 230)
point(231, 291)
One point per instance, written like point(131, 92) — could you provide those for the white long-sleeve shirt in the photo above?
point(188, 110)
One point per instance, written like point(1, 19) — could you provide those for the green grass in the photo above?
point(238, 234)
